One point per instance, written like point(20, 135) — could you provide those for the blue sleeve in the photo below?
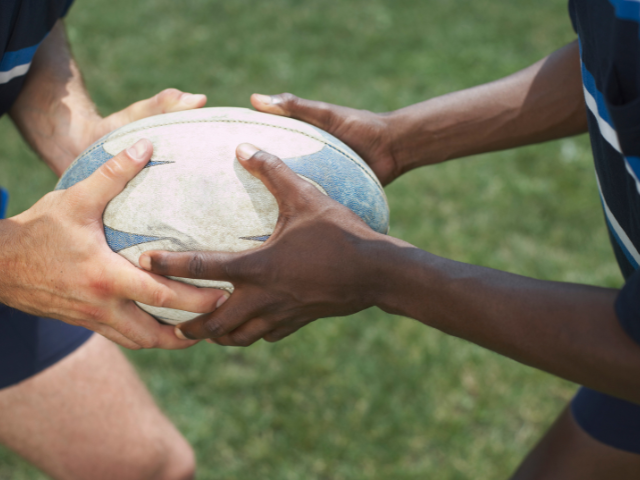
point(628, 306)
point(4, 199)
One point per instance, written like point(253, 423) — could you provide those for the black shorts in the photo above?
point(30, 344)
point(609, 420)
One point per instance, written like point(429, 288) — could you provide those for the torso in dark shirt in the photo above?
point(609, 34)
point(23, 26)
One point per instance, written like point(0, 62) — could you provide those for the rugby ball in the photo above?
point(194, 195)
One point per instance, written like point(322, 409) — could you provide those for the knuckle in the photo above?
point(288, 100)
point(168, 93)
point(197, 265)
point(214, 328)
point(205, 304)
point(52, 197)
point(351, 120)
point(167, 97)
point(148, 343)
point(94, 314)
point(249, 267)
point(274, 321)
point(270, 165)
point(113, 168)
point(232, 270)
point(242, 340)
point(307, 190)
point(160, 297)
point(102, 286)
point(74, 199)
point(329, 119)
point(266, 158)
point(274, 337)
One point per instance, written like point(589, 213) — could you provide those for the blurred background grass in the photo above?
point(370, 396)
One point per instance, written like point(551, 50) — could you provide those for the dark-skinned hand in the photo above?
point(317, 263)
point(368, 134)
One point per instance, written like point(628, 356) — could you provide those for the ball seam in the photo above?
point(373, 177)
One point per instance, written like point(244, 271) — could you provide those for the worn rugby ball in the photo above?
point(195, 196)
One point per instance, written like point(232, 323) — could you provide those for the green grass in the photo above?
point(370, 396)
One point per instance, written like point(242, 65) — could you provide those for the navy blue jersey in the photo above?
point(609, 34)
point(23, 26)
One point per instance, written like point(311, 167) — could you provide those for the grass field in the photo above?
point(369, 396)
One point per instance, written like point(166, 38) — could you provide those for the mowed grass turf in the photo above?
point(370, 396)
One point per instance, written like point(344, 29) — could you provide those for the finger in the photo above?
point(158, 291)
point(246, 334)
point(282, 332)
point(115, 336)
point(167, 101)
point(199, 265)
point(279, 179)
point(111, 178)
point(320, 114)
point(144, 330)
point(241, 307)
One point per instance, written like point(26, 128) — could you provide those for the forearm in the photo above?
point(542, 102)
point(566, 329)
point(54, 108)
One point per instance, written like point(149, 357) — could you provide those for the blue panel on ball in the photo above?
point(118, 240)
point(345, 182)
point(259, 238)
point(88, 163)
point(336, 142)
point(153, 164)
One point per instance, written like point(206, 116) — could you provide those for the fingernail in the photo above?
point(223, 299)
point(179, 334)
point(264, 99)
point(191, 99)
point(138, 149)
point(245, 151)
point(145, 262)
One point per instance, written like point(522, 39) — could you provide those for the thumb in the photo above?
point(167, 101)
point(112, 177)
point(320, 114)
point(280, 180)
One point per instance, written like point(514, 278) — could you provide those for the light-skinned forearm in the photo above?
point(54, 109)
point(542, 102)
point(569, 330)
point(58, 118)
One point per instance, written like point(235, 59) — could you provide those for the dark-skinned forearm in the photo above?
point(542, 102)
point(566, 329)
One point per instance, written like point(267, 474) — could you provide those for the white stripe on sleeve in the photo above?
point(16, 71)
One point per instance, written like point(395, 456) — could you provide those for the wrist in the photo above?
point(9, 232)
point(419, 135)
point(401, 276)
point(59, 133)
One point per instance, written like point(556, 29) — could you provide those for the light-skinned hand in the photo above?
point(55, 262)
point(82, 134)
